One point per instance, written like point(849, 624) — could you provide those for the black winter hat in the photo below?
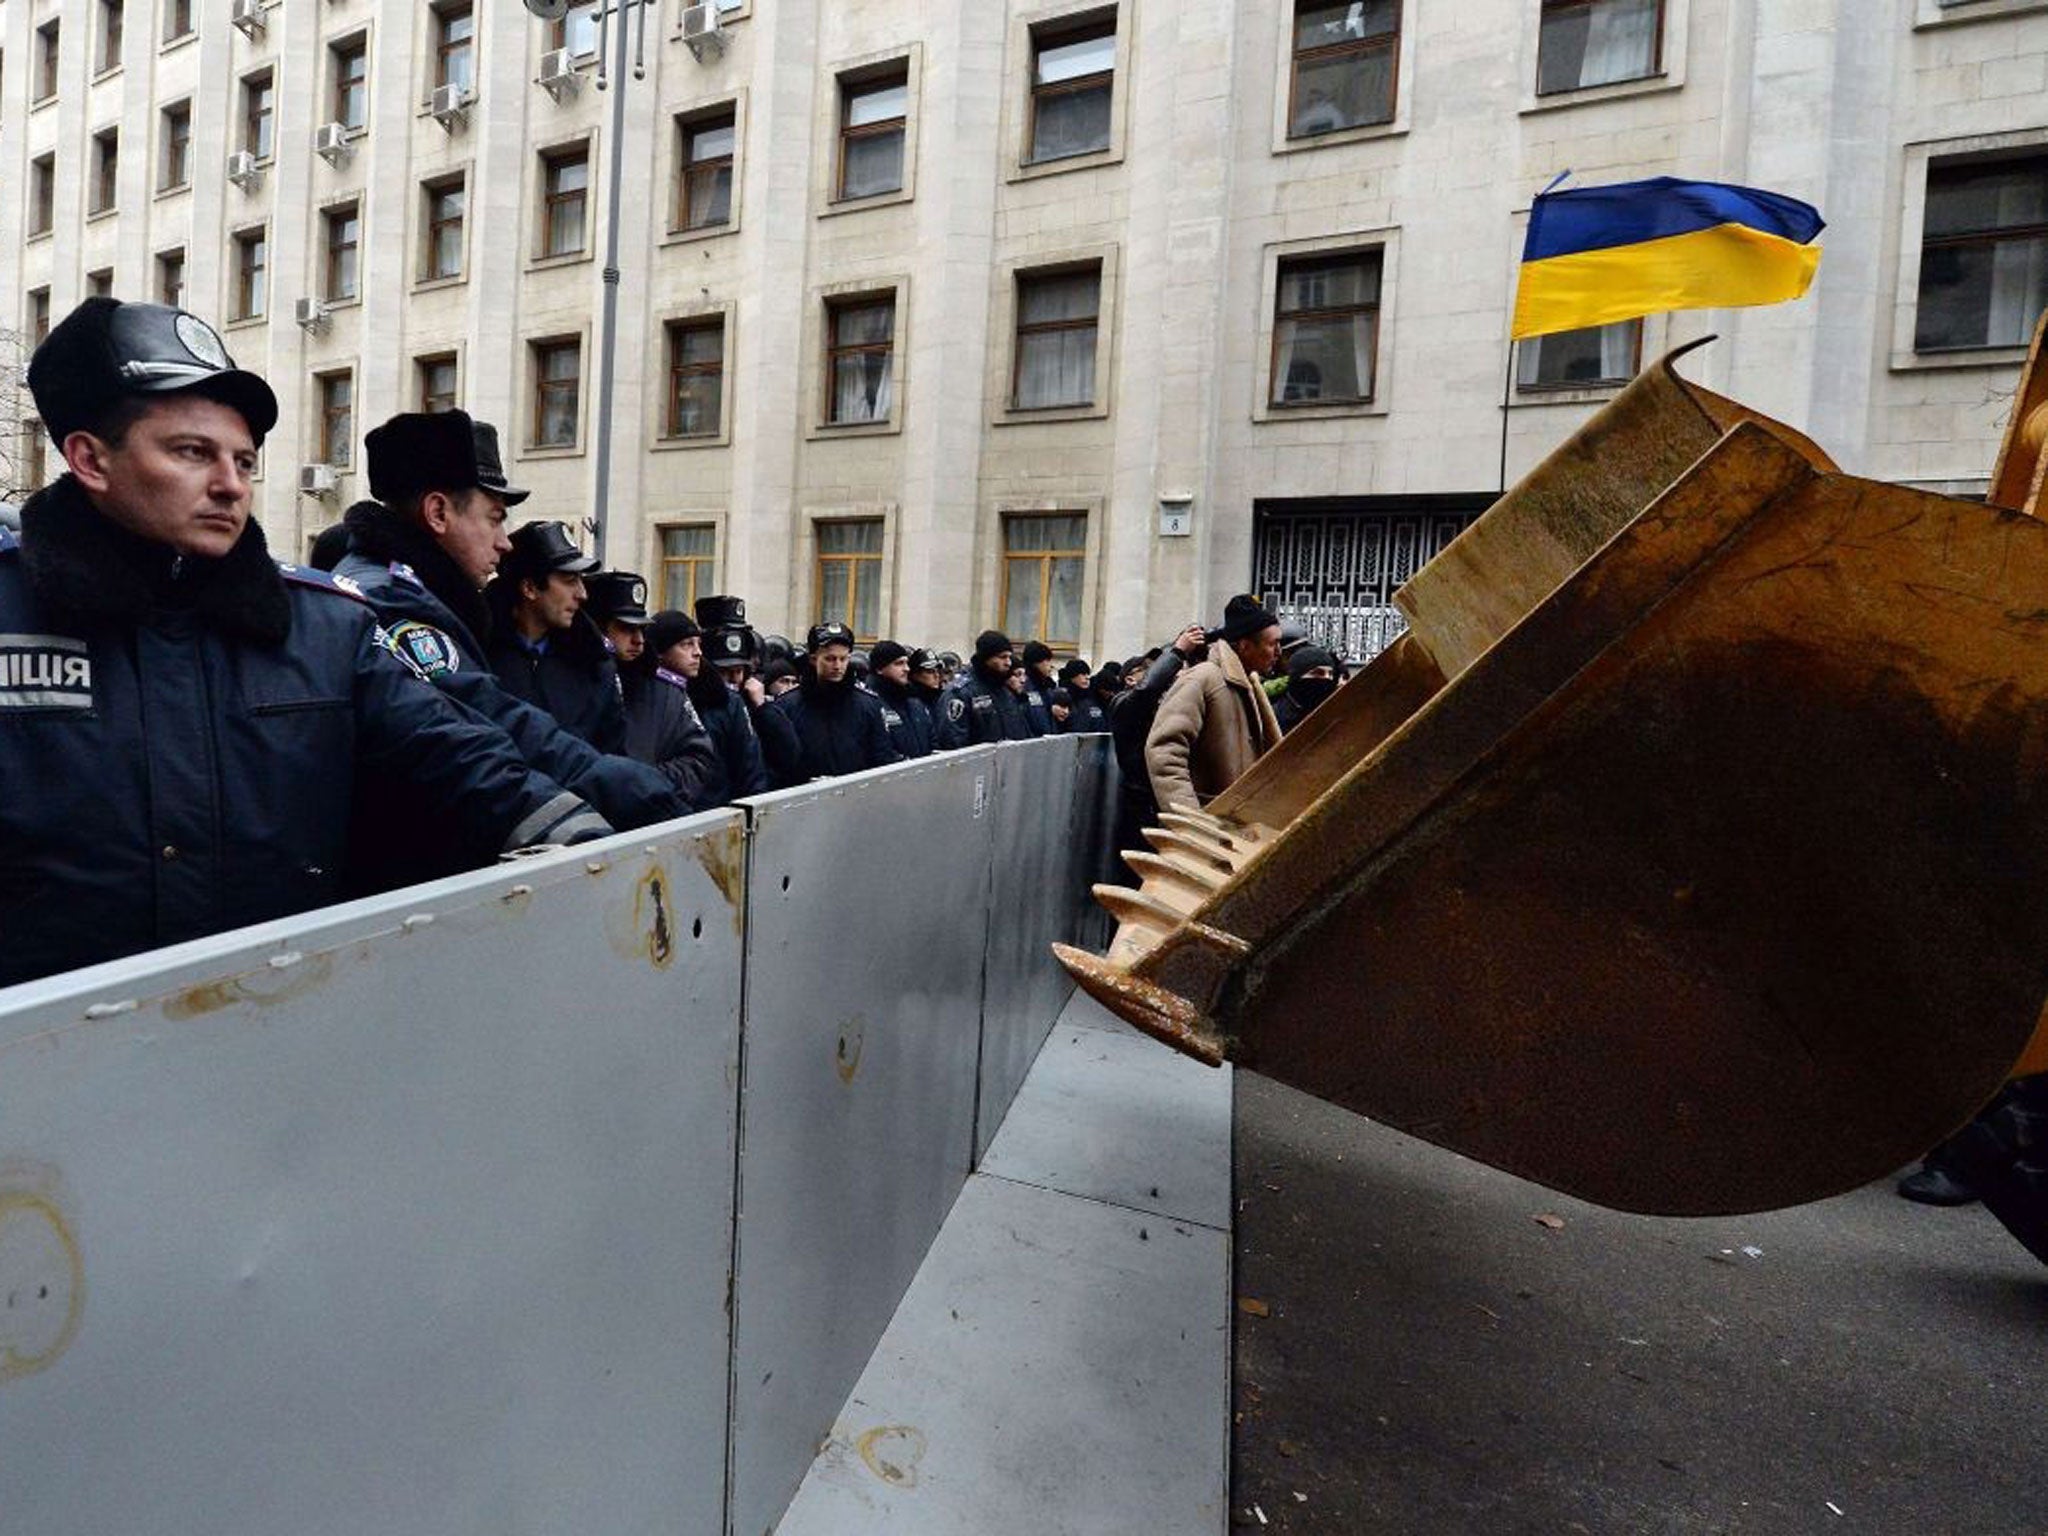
point(887, 653)
point(617, 597)
point(1036, 651)
point(1306, 659)
point(105, 348)
point(1075, 668)
point(669, 626)
point(1243, 615)
point(990, 642)
point(420, 451)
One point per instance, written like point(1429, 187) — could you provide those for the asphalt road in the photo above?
point(1416, 1352)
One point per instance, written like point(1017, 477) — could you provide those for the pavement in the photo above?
point(1427, 1346)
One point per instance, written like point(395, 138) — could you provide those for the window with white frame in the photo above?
point(1593, 358)
point(1983, 253)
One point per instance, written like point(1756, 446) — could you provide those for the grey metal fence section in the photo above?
point(865, 941)
point(411, 1216)
point(418, 1215)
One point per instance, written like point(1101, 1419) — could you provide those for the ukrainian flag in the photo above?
point(1596, 255)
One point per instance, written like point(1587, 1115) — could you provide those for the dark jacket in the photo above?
point(1037, 702)
point(1085, 715)
point(839, 729)
point(572, 674)
point(435, 617)
point(907, 718)
point(180, 742)
point(662, 728)
point(980, 708)
point(1130, 722)
point(740, 769)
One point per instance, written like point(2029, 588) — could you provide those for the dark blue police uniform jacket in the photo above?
point(180, 739)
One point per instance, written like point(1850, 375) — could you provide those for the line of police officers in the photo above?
point(195, 737)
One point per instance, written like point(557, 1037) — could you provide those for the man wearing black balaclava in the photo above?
point(1311, 678)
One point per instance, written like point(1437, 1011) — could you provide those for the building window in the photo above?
point(1044, 559)
point(704, 198)
point(861, 359)
point(111, 19)
point(442, 256)
point(873, 114)
point(1598, 42)
point(437, 375)
point(106, 170)
point(1073, 74)
point(696, 378)
point(455, 46)
point(1326, 329)
point(337, 393)
point(850, 577)
point(177, 19)
point(259, 113)
point(1346, 55)
point(1057, 315)
point(577, 31)
point(252, 270)
point(47, 37)
point(100, 284)
point(350, 60)
point(1592, 358)
point(344, 227)
point(38, 315)
point(170, 278)
point(557, 391)
point(688, 568)
point(42, 193)
point(565, 185)
point(176, 170)
point(1983, 254)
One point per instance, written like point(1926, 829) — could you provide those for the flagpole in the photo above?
point(1507, 386)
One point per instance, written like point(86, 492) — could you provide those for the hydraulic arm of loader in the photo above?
point(1689, 854)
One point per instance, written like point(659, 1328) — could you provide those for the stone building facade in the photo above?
point(1071, 317)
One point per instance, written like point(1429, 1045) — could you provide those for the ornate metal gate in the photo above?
point(1333, 567)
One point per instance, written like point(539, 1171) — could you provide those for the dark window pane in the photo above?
point(1982, 295)
point(1597, 42)
point(873, 165)
point(1324, 359)
point(1072, 122)
point(1345, 90)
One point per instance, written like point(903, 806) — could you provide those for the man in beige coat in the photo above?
point(1216, 721)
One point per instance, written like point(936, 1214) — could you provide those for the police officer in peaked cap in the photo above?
point(544, 647)
point(422, 553)
point(662, 725)
point(182, 719)
point(734, 652)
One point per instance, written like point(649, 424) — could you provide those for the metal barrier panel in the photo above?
point(411, 1216)
point(865, 936)
point(1038, 889)
point(1097, 784)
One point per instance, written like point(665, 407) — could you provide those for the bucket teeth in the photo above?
point(1209, 855)
point(1175, 880)
point(1209, 828)
point(1165, 1016)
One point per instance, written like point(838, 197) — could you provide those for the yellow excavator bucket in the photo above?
point(1689, 854)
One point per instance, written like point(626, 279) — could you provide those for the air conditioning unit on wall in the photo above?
point(243, 170)
point(311, 315)
point(558, 73)
point(321, 480)
point(703, 30)
point(330, 143)
point(450, 106)
point(247, 18)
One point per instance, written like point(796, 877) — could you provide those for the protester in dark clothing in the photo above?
point(184, 720)
point(1311, 678)
point(1130, 722)
point(662, 727)
point(1086, 713)
point(677, 645)
point(839, 729)
point(544, 648)
point(908, 718)
point(979, 706)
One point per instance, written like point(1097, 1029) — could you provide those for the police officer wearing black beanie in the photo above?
point(183, 721)
point(838, 728)
point(906, 715)
point(979, 707)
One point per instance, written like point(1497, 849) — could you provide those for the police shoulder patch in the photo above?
point(955, 706)
point(320, 581)
point(424, 647)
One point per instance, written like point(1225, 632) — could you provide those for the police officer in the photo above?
point(927, 684)
point(979, 706)
point(676, 642)
point(544, 647)
point(1085, 711)
point(1038, 686)
point(908, 717)
point(182, 720)
point(735, 651)
point(838, 727)
point(422, 554)
point(662, 727)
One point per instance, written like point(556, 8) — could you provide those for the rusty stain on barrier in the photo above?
point(852, 1041)
point(42, 1276)
point(282, 979)
point(724, 857)
point(892, 1452)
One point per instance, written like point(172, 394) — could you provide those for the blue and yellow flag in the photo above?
point(1596, 255)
